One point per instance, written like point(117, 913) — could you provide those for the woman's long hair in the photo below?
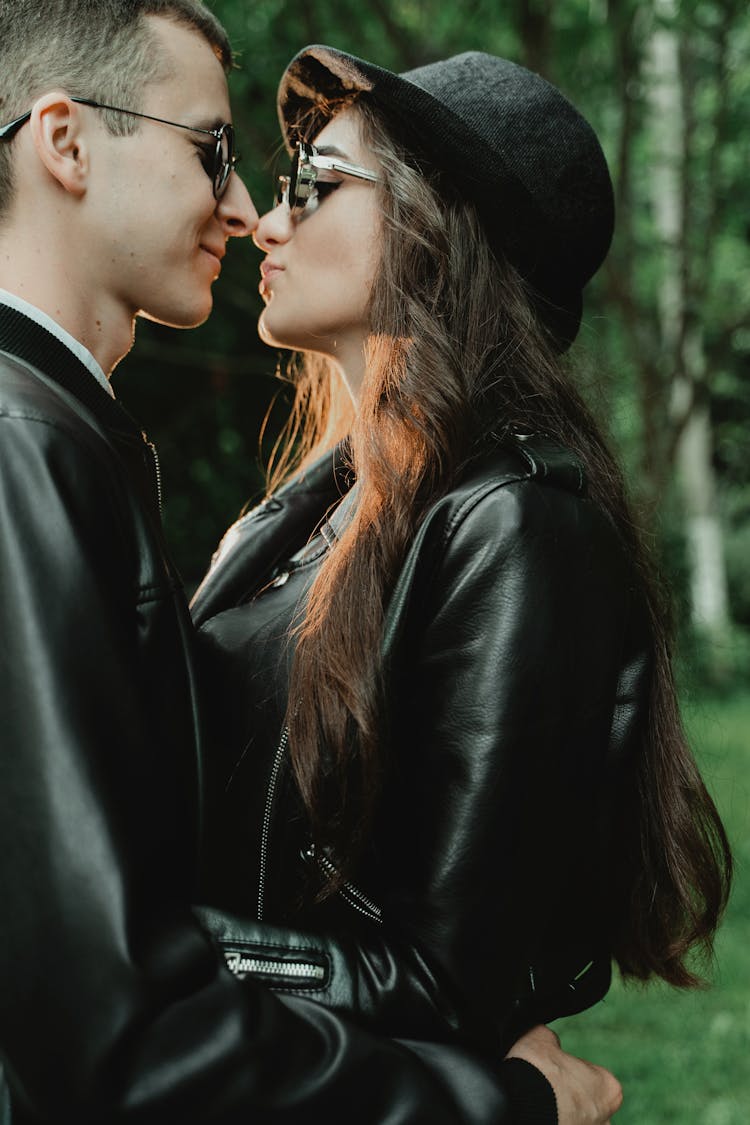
point(454, 353)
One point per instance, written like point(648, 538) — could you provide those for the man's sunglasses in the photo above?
point(297, 188)
point(223, 159)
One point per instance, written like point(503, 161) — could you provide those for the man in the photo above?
point(117, 196)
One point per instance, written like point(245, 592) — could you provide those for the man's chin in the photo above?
point(185, 318)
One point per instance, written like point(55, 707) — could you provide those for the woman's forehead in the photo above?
point(343, 132)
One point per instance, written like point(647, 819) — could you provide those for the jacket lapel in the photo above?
point(24, 338)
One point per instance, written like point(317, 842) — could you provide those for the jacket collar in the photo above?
point(271, 533)
point(333, 528)
point(29, 341)
point(25, 339)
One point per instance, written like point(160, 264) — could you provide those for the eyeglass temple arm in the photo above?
point(7, 132)
point(145, 116)
point(330, 164)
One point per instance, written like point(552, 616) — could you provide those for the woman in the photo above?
point(449, 761)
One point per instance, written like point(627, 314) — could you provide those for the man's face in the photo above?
point(158, 234)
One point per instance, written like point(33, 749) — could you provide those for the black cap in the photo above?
point(506, 138)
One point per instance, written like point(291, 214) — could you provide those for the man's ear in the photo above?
point(57, 129)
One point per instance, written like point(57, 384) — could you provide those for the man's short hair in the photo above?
point(99, 49)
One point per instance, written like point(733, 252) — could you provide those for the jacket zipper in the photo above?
point(266, 827)
point(351, 895)
point(157, 472)
point(240, 965)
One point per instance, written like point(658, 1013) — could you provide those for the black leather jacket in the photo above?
point(517, 658)
point(113, 1005)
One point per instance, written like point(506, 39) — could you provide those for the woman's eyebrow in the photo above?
point(331, 150)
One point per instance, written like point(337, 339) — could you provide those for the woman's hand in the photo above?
point(586, 1094)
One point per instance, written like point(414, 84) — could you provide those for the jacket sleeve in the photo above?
point(114, 1006)
point(509, 645)
point(506, 649)
point(369, 973)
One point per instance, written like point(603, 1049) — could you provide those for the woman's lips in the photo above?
point(268, 270)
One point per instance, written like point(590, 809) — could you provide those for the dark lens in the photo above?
point(293, 174)
point(302, 178)
point(223, 159)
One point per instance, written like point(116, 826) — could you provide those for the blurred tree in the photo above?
point(677, 84)
point(682, 292)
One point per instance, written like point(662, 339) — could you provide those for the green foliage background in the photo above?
point(682, 1058)
point(203, 396)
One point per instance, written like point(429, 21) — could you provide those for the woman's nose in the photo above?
point(274, 227)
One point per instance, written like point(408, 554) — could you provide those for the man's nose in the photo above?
point(236, 209)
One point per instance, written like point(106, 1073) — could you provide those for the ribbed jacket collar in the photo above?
point(25, 338)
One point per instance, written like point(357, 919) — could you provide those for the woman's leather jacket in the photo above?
point(517, 660)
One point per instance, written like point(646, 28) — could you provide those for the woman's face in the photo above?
point(318, 270)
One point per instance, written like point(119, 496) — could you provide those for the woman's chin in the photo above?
point(265, 332)
point(274, 335)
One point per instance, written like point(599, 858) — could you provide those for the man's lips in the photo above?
point(216, 252)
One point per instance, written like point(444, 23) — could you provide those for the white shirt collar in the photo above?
point(76, 347)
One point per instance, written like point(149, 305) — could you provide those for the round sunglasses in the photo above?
point(219, 163)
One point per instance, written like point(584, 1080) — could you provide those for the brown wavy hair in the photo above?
point(456, 357)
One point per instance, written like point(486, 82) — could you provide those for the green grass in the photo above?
point(685, 1057)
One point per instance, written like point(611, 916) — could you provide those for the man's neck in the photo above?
point(48, 279)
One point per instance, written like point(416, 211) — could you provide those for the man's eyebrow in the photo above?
point(214, 124)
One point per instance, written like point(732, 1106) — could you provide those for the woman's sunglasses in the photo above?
point(297, 188)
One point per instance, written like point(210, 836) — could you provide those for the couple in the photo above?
point(420, 761)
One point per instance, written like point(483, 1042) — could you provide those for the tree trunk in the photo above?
point(682, 336)
point(533, 19)
point(709, 599)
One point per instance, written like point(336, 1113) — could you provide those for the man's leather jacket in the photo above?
point(113, 1005)
point(517, 661)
